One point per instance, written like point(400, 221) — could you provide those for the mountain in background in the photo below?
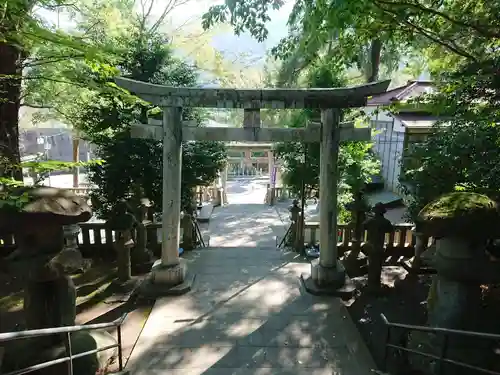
point(246, 44)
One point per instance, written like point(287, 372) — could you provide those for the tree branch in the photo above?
point(56, 80)
point(36, 106)
point(479, 29)
point(428, 34)
point(172, 4)
point(50, 60)
point(42, 106)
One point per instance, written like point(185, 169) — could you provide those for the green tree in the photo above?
point(367, 32)
point(462, 151)
point(142, 161)
point(302, 161)
point(23, 41)
point(104, 114)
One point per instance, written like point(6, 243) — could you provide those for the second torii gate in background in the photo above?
point(326, 272)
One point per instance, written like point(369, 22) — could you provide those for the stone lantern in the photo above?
point(38, 225)
point(376, 226)
point(141, 257)
point(123, 222)
point(358, 208)
point(462, 225)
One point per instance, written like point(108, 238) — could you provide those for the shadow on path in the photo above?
point(251, 319)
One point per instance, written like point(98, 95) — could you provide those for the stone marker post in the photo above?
point(272, 179)
point(421, 241)
point(358, 208)
point(294, 218)
point(141, 256)
point(188, 232)
point(123, 222)
point(376, 226)
point(123, 245)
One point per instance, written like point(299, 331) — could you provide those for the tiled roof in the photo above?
point(400, 93)
point(417, 120)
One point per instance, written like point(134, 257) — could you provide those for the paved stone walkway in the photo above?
point(248, 225)
point(247, 314)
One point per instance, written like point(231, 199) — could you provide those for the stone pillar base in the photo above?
point(328, 281)
point(168, 275)
point(333, 277)
point(167, 280)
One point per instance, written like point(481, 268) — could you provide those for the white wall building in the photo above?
point(390, 129)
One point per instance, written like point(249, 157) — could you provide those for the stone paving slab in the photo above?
point(271, 324)
point(254, 225)
point(226, 356)
point(248, 315)
point(255, 371)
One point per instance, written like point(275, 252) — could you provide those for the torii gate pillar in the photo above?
point(327, 271)
point(168, 270)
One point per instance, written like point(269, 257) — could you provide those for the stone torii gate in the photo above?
point(326, 272)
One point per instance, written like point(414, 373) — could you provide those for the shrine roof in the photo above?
point(400, 93)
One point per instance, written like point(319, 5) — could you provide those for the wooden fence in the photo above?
point(95, 239)
point(401, 240)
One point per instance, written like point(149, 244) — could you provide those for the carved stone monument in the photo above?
point(358, 208)
point(123, 222)
point(38, 227)
point(376, 226)
point(141, 257)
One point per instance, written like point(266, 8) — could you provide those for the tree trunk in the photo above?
point(374, 67)
point(10, 100)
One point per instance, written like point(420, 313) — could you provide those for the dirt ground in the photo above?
point(403, 300)
point(96, 303)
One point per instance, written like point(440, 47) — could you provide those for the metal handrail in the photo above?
point(11, 336)
point(444, 345)
point(484, 335)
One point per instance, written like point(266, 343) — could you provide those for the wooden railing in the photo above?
point(401, 238)
point(204, 194)
point(97, 237)
point(94, 239)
